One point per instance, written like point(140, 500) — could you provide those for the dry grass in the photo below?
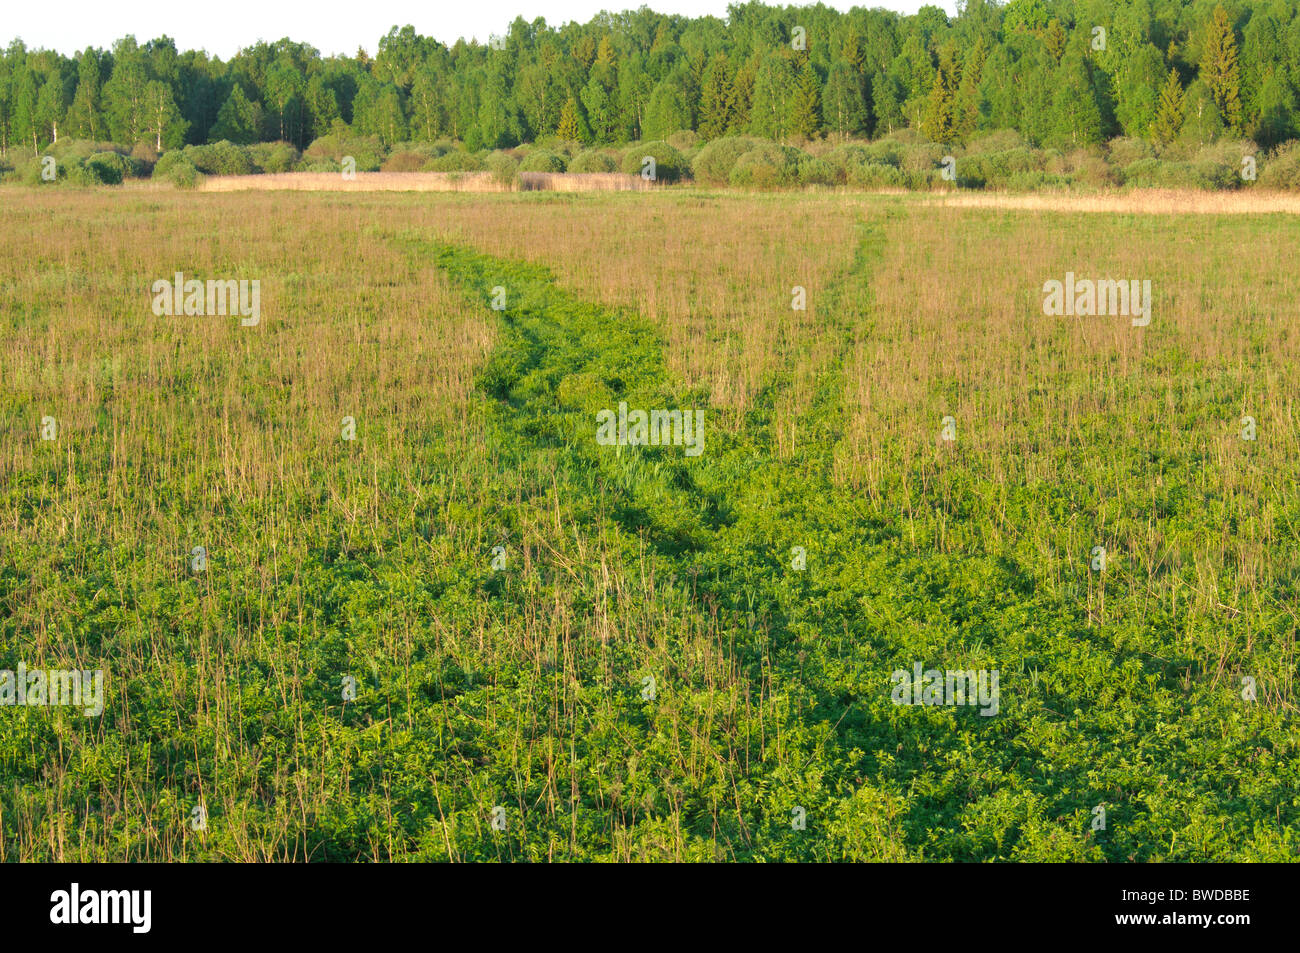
point(713, 270)
point(1078, 405)
point(176, 431)
point(423, 182)
point(1140, 202)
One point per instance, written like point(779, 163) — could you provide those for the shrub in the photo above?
point(167, 161)
point(817, 172)
point(766, 166)
point(871, 175)
point(1167, 174)
point(183, 175)
point(27, 169)
point(107, 168)
point(844, 157)
point(713, 163)
point(504, 168)
point(1280, 169)
point(1035, 180)
point(1095, 172)
point(1003, 140)
point(1124, 152)
point(143, 157)
point(220, 158)
point(542, 160)
point(272, 157)
point(404, 162)
point(997, 169)
point(593, 160)
point(455, 161)
point(366, 150)
point(683, 139)
point(670, 165)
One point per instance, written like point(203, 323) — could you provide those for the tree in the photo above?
point(774, 90)
point(322, 105)
point(716, 99)
point(124, 100)
point(1054, 39)
point(666, 112)
point(941, 104)
point(163, 119)
point(83, 119)
point(844, 109)
point(807, 118)
point(570, 127)
point(968, 94)
point(602, 111)
point(23, 122)
point(236, 120)
point(1219, 68)
point(51, 106)
point(1138, 91)
point(887, 104)
point(1076, 111)
point(1276, 108)
point(285, 88)
point(1171, 111)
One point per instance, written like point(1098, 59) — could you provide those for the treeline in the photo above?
point(1061, 73)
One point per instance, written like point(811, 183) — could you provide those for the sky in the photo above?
point(332, 26)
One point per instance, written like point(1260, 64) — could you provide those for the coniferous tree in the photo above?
point(807, 118)
point(1076, 110)
point(941, 104)
point(1171, 111)
point(741, 103)
point(236, 120)
point(570, 125)
point(1219, 69)
point(716, 99)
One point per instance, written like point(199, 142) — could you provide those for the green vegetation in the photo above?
point(619, 647)
point(1067, 77)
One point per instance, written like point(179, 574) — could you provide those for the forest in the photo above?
point(1062, 74)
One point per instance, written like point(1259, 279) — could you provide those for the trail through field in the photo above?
point(818, 597)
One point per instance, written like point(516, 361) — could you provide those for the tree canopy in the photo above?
point(1062, 73)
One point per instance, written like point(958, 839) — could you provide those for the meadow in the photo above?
point(473, 632)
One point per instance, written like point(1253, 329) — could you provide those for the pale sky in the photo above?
point(329, 25)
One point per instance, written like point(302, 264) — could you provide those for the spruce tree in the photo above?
point(570, 125)
point(236, 121)
point(1171, 111)
point(941, 103)
point(1219, 69)
point(716, 99)
point(807, 118)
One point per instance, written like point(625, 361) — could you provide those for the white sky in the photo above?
point(332, 26)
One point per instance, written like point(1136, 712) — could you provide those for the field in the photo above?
point(476, 632)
